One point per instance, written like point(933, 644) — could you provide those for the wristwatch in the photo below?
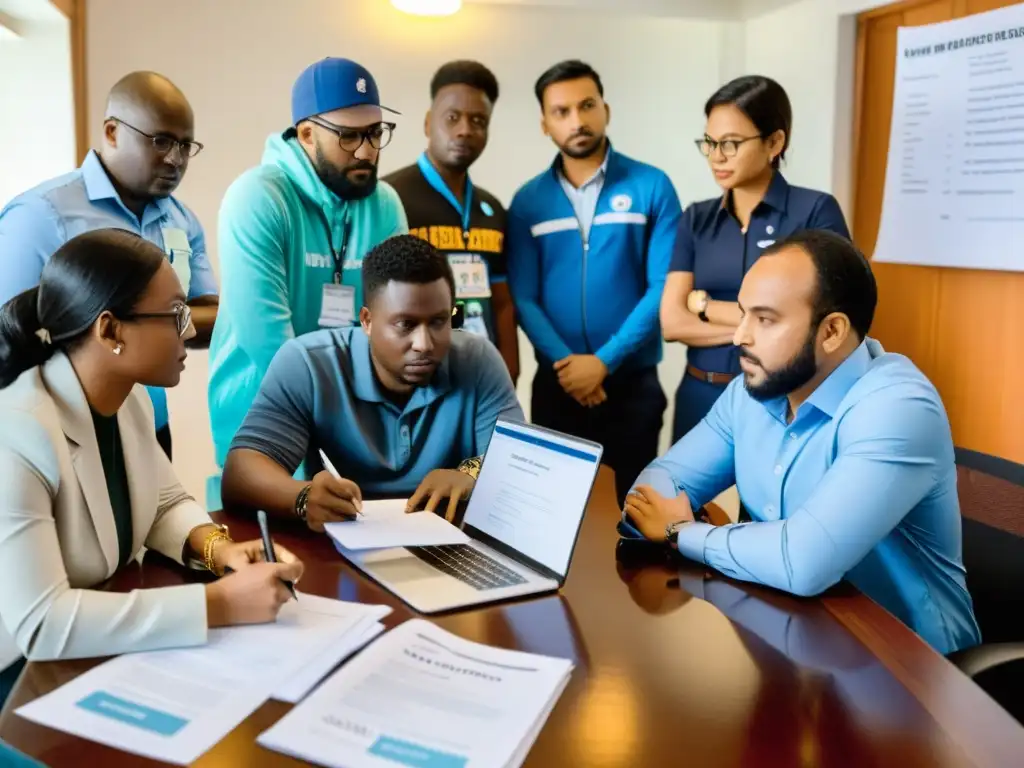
point(301, 501)
point(672, 531)
point(703, 313)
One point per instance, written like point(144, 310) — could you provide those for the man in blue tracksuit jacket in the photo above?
point(589, 243)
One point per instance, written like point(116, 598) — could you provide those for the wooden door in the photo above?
point(960, 326)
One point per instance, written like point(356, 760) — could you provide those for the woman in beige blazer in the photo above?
point(84, 486)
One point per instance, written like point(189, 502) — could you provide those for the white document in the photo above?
point(179, 251)
point(174, 705)
point(338, 306)
point(384, 508)
point(417, 529)
point(422, 696)
point(471, 278)
point(954, 182)
point(362, 632)
point(524, 749)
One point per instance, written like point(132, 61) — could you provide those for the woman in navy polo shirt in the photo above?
point(745, 139)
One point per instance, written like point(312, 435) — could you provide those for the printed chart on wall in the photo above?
point(954, 184)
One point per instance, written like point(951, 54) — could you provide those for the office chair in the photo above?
point(991, 493)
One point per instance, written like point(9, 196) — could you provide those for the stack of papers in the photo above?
point(422, 696)
point(385, 524)
point(384, 508)
point(174, 705)
point(366, 625)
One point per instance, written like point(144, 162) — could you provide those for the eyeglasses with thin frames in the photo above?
point(163, 144)
point(181, 313)
point(351, 139)
point(729, 147)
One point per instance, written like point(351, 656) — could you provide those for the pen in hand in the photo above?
point(337, 476)
point(268, 548)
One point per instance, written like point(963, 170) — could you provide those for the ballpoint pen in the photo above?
point(334, 473)
point(268, 548)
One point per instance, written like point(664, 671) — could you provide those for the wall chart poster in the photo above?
point(954, 183)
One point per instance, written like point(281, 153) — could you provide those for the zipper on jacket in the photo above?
point(586, 252)
point(583, 287)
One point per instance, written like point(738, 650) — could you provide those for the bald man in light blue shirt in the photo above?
point(841, 452)
point(128, 184)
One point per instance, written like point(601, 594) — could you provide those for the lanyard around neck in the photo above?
point(464, 209)
point(338, 255)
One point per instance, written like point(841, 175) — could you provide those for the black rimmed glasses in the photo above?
point(180, 312)
point(162, 143)
point(351, 139)
point(729, 147)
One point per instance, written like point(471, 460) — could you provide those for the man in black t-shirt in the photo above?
point(462, 220)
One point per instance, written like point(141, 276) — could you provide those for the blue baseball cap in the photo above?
point(332, 84)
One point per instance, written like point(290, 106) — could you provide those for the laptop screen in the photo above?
point(533, 490)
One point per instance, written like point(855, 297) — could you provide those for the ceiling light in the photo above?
point(428, 7)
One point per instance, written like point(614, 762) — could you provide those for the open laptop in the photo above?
point(523, 520)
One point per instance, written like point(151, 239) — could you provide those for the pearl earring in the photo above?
point(117, 350)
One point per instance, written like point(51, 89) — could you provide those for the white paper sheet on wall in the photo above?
point(954, 184)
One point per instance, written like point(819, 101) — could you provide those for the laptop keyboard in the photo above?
point(469, 565)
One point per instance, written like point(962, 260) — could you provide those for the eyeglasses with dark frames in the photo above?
point(729, 147)
point(351, 139)
point(181, 313)
point(162, 143)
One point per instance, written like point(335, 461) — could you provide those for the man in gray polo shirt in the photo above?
point(401, 406)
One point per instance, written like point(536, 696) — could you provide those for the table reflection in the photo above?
point(842, 706)
point(607, 724)
point(548, 627)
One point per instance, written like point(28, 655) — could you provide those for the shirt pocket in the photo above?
point(179, 252)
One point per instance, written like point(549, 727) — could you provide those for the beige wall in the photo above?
point(819, 78)
point(37, 125)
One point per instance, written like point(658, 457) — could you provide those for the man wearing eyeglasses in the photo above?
point(148, 140)
point(293, 232)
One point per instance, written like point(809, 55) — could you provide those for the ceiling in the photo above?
point(43, 10)
point(703, 9)
point(30, 10)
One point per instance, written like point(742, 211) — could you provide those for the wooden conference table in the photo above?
point(673, 667)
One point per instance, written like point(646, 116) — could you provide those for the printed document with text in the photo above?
point(174, 705)
point(420, 696)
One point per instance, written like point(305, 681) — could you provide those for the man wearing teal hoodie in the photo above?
point(293, 232)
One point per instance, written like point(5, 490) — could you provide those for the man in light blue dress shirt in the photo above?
point(841, 452)
point(147, 143)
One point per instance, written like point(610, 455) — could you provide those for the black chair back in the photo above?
point(991, 493)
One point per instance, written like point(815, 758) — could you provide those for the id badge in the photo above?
point(338, 306)
point(180, 254)
point(474, 319)
point(471, 278)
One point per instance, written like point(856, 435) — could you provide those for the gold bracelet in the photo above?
point(471, 466)
point(210, 543)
